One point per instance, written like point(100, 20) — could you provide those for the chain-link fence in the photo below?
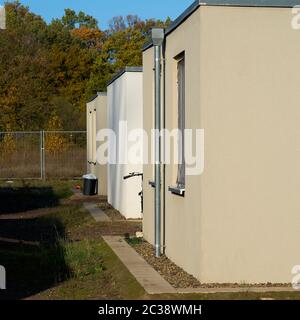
point(43, 154)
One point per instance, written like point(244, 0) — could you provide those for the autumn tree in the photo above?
point(24, 68)
point(54, 68)
point(122, 47)
point(73, 20)
point(55, 141)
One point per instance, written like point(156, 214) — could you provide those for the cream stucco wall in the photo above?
point(240, 220)
point(96, 120)
point(125, 96)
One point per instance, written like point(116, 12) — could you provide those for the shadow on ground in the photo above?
point(20, 199)
point(30, 249)
point(37, 261)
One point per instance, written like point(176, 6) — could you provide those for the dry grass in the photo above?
point(23, 164)
point(20, 155)
point(67, 164)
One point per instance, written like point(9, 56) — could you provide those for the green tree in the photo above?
point(24, 68)
point(53, 68)
point(73, 20)
point(121, 47)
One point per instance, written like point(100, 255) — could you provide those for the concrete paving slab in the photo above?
point(149, 279)
point(96, 212)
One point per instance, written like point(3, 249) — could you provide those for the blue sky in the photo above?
point(104, 10)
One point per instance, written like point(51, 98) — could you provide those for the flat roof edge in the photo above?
point(251, 3)
point(186, 14)
point(178, 21)
point(229, 3)
point(122, 71)
point(94, 97)
point(102, 94)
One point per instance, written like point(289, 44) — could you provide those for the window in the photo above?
point(181, 120)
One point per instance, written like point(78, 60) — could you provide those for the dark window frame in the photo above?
point(181, 75)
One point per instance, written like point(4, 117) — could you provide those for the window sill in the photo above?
point(152, 184)
point(177, 191)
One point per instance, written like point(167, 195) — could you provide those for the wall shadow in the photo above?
point(32, 267)
point(32, 249)
point(16, 200)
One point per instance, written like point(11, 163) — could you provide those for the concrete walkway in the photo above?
point(96, 212)
point(149, 279)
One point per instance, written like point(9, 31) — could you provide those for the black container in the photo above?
point(90, 186)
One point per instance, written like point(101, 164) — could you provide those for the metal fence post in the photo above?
point(28, 152)
point(42, 144)
point(41, 154)
point(44, 155)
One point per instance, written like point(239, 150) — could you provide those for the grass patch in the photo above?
point(106, 278)
point(32, 269)
point(134, 241)
point(22, 196)
point(70, 216)
point(52, 258)
point(83, 258)
point(61, 188)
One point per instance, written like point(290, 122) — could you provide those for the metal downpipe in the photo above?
point(157, 58)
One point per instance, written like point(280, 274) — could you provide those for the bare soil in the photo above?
point(111, 212)
point(29, 214)
point(118, 225)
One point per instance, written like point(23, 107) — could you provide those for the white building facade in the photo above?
point(125, 109)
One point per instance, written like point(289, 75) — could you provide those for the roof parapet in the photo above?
point(228, 3)
point(122, 71)
point(94, 97)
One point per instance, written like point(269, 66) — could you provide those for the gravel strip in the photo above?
point(176, 276)
point(180, 279)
